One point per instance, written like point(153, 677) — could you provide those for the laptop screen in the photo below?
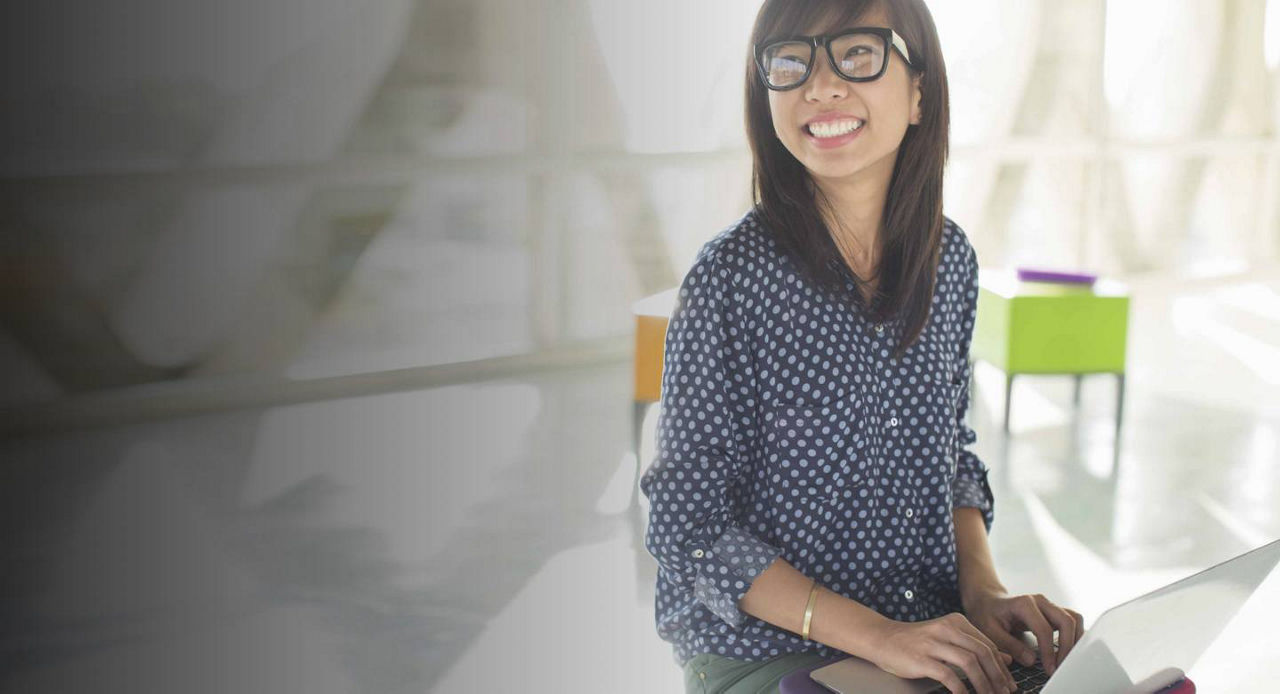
point(1174, 625)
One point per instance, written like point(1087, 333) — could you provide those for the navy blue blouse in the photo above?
point(787, 429)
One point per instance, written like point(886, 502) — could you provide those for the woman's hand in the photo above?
point(1003, 618)
point(925, 649)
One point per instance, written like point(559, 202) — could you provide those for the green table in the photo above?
point(1046, 328)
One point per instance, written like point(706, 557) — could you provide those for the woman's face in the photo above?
point(884, 107)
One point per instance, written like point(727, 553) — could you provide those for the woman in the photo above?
point(811, 494)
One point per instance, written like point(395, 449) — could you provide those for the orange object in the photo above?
point(652, 315)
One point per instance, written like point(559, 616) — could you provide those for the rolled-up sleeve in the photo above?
point(971, 488)
point(705, 436)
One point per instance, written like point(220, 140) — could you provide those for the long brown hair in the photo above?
point(911, 232)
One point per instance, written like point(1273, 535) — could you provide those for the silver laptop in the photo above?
point(1137, 647)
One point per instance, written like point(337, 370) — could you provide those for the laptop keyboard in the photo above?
point(1029, 678)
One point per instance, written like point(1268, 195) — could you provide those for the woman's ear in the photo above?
point(917, 96)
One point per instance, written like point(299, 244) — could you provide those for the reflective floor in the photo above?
point(479, 538)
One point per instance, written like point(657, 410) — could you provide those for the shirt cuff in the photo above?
point(727, 569)
point(971, 490)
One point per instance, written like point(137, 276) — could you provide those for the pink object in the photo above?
point(1185, 686)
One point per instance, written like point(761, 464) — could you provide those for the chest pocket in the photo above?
point(816, 454)
point(820, 476)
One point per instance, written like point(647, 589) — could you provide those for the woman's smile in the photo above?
point(833, 130)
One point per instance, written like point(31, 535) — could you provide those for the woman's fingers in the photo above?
point(989, 647)
point(947, 649)
point(968, 627)
point(972, 665)
point(1063, 622)
point(1014, 646)
point(988, 657)
point(1028, 611)
point(1079, 619)
point(938, 670)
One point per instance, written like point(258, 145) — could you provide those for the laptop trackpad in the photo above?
point(856, 676)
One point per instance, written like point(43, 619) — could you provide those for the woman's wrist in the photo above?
point(977, 591)
point(976, 566)
point(846, 625)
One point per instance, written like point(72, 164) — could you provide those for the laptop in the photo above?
point(1138, 647)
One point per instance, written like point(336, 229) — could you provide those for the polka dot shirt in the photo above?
point(788, 429)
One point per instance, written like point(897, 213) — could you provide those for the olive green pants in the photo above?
point(716, 674)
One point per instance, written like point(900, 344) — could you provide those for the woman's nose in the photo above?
point(823, 82)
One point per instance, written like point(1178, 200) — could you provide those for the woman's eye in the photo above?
point(788, 64)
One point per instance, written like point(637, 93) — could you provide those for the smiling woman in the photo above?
point(812, 495)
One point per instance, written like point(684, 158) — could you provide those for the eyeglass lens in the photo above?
point(858, 56)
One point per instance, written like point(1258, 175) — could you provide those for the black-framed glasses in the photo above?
point(860, 54)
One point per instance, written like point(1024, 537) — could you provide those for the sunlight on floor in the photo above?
point(1031, 409)
point(1091, 583)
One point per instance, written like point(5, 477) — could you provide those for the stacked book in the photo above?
point(1027, 274)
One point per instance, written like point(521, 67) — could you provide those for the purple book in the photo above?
point(1027, 274)
point(799, 681)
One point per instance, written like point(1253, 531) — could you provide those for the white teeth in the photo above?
point(834, 128)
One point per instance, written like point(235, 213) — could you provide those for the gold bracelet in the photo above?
point(808, 610)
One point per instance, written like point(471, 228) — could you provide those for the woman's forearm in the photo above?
point(973, 555)
point(779, 595)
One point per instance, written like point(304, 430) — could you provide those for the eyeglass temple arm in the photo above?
point(901, 45)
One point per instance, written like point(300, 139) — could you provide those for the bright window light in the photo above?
point(1123, 62)
point(1271, 35)
point(677, 69)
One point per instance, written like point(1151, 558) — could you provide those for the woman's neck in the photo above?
point(854, 215)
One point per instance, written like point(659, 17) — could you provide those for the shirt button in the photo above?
point(910, 513)
point(909, 595)
point(893, 422)
point(698, 554)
